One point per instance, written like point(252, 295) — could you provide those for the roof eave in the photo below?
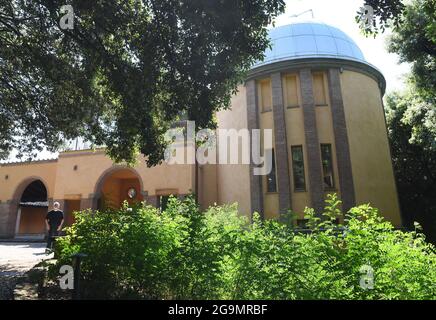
point(317, 62)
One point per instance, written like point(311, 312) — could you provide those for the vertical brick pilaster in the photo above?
point(312, 143)
point(256, 193)
point(7, 220)
point(281, 149)
point(11, 221)
point(341, 141)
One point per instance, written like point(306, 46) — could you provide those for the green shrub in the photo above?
point(183, 253)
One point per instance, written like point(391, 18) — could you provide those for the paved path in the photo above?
point(15, 260)
point(18, 258)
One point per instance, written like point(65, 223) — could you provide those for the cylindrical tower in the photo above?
point(323, 101)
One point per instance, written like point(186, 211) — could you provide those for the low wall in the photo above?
point(6, 229)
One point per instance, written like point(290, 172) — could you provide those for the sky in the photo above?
point(341, 14)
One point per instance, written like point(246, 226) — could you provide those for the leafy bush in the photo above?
point(182, 253)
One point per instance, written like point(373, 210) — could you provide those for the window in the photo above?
point(298, 168)
point(291, 91)
point(327, 165)
point(265, 95)
point(163, 202)
point(319, 92)
point(271, 183)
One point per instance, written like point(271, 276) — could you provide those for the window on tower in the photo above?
point(265, 95)
point(298, 168)
point(327, 166)
point(291, 91)
point(271, 181)
point(319, 90)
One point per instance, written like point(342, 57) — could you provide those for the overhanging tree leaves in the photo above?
point(414, 41)
point(414, 36)
point(126, 70)
point(387, 13)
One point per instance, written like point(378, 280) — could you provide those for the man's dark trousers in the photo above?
point(52, 232)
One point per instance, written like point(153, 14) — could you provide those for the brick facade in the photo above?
point(256, 193)
point(341, 141)
point(281, 146)
point(312, 142)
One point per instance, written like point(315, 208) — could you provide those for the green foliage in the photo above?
point(414, 40)
point(414, 37)
point(387, 13)
point(126, 70)
point(411, 121)
point(411, 116)
point(182, 253)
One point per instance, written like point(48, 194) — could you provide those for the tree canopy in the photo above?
point(414, 41)
point(412, 131)
point(387, 13)
point(411, 115)
point(124, 72)
point(414, 36)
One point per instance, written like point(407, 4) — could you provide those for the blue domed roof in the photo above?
point(302, 40)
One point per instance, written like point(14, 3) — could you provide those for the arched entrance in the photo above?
point(32, 209)
point(117, 185)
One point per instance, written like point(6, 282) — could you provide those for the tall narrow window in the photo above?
point(271, 183)
point(327, 165)
point(298, 168)
point(291, 89)
point(319, 92)
point(265, 95)
point(163, 202)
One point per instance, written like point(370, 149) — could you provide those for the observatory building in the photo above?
point(314, 90)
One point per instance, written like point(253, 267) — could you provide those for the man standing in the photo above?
point(54, 222)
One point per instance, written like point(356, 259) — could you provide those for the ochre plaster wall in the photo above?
point(373, 175)
point(234, 179)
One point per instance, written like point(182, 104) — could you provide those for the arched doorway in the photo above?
point(117, 185)
point(32, 209)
